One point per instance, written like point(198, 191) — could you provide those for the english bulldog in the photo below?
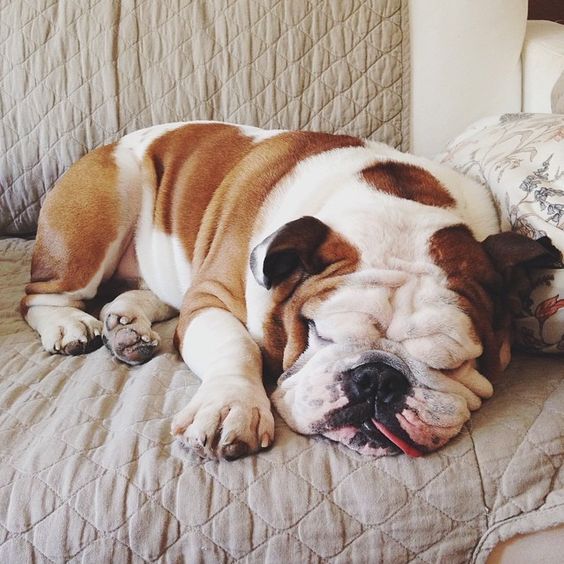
point(370, 281)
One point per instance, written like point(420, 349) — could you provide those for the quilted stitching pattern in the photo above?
point(89, 472)
point(79, 75)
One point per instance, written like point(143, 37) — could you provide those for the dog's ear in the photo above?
point(509, 249)
point(294, 246)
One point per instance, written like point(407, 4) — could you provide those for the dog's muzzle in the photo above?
point(374, 401)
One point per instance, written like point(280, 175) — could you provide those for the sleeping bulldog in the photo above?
point(370, 281)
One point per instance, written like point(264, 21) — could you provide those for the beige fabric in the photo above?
point(75, 75)
point(89, 471)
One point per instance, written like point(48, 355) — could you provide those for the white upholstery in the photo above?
point(465, 63)
point(542, 547)
point(543, 63)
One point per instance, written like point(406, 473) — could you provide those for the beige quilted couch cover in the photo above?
point(77, 74)
point(89, 472)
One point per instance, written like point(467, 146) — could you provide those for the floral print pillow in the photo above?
point(520, 157)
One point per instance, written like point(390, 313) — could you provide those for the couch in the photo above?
point(88, 469)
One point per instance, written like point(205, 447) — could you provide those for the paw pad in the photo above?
point(129, 339)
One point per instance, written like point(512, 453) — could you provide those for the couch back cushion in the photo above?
point(76, 75)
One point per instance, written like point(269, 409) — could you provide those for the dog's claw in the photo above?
point(226, 422)
point(111, 321)
point(229, 438)
point(201, 441)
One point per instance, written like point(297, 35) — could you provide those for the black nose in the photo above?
point(380, 381)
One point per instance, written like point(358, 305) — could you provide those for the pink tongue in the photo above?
point(408, 449)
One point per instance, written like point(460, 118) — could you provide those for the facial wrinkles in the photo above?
point(355, 313)
point(428, 321)
point(471, 276)
point(363, 304)
point(413, 309)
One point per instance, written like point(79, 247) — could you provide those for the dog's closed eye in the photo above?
point(314, 336)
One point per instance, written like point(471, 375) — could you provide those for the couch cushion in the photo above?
point(520, 157)
point(89, 472)
point(75, 75)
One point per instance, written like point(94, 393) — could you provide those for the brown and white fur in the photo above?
point(307, 253)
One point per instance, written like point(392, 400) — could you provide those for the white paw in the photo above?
point(226, 419)
point(71, 332)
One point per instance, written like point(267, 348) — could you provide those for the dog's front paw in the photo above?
point(71, 333)
point(226, 420)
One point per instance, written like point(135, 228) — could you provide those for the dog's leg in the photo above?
point(127, 325)
point(84, 227)
point(230, 414)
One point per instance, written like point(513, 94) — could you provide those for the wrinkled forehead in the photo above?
point(352, 310)
point(377, 295)
point(415, 310)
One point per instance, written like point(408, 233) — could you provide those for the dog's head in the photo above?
point(385, 355)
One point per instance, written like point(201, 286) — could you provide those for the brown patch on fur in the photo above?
point(222, 244)
point(409, 182)
point(79, 220)
point(285, 326)
point(186, 166)
point(473, 277)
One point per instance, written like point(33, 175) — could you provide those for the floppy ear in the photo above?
point(294, 246)
point(506, 251)
point(509, 249)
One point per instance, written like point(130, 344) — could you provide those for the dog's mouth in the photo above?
point(422, 423)
point(383, 380)
point(379, 433)
point(369, 424)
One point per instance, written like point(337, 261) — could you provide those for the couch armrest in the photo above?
point(543, 63)
point(465, 65)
